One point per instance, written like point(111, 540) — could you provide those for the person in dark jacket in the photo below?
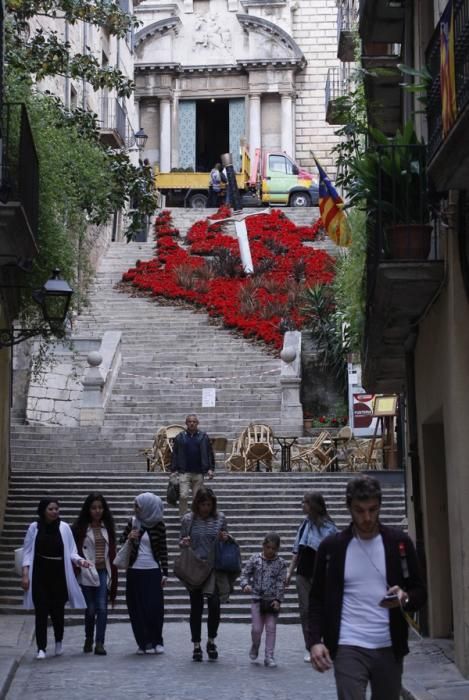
point(365, 583)
point(147, 573)
point(193, 459)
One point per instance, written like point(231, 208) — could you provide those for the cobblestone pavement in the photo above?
point(173, 676)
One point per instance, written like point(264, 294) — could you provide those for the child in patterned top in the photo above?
point(264, 577)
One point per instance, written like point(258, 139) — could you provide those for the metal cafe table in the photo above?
point(286, 442)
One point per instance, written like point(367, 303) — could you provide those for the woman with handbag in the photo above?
point(147, 572)
point(200, 530)
point(264, 577)
point(48, 578)
point(96, 542)
point(315, 527)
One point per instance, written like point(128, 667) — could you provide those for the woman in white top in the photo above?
point(96, 542)
point(48, 578)
point(147, 573)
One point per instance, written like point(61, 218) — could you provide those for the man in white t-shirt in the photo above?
point(366, 580)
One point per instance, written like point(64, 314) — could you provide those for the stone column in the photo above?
point(165, 134)
point(150, 121)
point(287, 124)
point(254, 123)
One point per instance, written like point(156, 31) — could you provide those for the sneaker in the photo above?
point(212, 651)
point(99, 649)
point(197, 654)
point(253, 652)
point(41, 654)
point(269, 662)
point(307, 658)
point(88, 645)
point(159, 649)
point(58, 649)
point(140, 652)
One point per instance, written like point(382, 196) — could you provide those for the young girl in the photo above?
point(96, 542)
point(264, 577)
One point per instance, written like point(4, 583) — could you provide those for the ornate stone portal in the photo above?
point(208, 75)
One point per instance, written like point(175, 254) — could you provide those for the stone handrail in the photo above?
point(99, 378)
point(290, 381)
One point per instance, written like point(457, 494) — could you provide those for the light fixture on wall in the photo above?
point(140, 139)
point(212, 99)
point(54, 299)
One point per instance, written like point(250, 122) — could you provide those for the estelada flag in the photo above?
point(331, 209)
point(447, 70)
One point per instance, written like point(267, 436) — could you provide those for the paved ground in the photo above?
point(430, 672)
point(172, 676)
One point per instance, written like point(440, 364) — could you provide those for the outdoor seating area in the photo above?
point(258, 449)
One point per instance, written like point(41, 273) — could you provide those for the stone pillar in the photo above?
point(150, 121)
point(254, 123)
point(287, 125)
point(92, 408)
point(165, 135)
point(290, 381)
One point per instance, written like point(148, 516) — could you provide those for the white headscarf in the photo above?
point(151, 510)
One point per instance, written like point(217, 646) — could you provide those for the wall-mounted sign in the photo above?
point(209, 397)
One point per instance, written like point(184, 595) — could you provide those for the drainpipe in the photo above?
point(67, 76)
point(413, 448)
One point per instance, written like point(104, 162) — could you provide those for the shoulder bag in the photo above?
point(190, 569)
point(122, 558)
point(172, 491)
point(19, 561)
point(227, 557)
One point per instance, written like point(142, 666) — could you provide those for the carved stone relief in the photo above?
point(210, 34)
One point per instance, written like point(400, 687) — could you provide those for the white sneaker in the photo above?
point(41, 654)
point(307, 658)
point(58, 649)
point(269, 661)
point(159, 649)
point(140, 652)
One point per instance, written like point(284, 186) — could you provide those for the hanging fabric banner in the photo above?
point(447, 69)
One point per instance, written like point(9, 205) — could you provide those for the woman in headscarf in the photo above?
point(147, 573)
point(48, 578)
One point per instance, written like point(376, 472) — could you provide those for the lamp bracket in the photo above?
point(13, 336)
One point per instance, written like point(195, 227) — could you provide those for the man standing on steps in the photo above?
point(192, 459)
point(365, 583)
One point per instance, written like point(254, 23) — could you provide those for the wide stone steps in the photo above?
point(254, 504)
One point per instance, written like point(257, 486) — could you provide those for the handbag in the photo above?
point(227, 557)
point(190, 569)
point(172, 491)
point(122, 558)
point(19, 561)
point(305, 561)
point(265, 606)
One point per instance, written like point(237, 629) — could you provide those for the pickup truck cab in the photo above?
point(270, 177)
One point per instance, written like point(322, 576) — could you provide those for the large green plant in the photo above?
point(389, 179)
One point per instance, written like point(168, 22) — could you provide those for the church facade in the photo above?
point(213, 73)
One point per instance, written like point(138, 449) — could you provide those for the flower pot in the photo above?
point(307, 423)
point(409, 241)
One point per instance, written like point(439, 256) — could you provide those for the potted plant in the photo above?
point(390, 179)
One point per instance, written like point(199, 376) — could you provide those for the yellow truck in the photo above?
point(271, 177)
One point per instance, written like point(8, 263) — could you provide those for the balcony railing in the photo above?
point(20, 165)
point(347, 29)
point(461, 59)
point(402, 198)
point(114, 121)
point(337, 86)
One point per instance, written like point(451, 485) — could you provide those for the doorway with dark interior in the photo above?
point(212, 132)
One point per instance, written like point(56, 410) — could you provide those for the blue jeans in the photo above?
point(96, 608)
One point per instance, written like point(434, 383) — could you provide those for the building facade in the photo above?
point(210, 73)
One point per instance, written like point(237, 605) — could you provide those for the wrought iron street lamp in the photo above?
point(54, 299)
point(140, 139)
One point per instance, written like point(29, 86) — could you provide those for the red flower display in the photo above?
point(254, 304)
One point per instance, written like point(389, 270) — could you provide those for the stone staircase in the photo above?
point(169, 354)
point(254, 504)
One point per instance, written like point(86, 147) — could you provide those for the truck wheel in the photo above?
point(198, 200)
point(300, 199)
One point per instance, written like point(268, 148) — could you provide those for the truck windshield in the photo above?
point(280, 164)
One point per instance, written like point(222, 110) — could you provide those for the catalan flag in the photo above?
point(447, 70)
point(331, 208)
